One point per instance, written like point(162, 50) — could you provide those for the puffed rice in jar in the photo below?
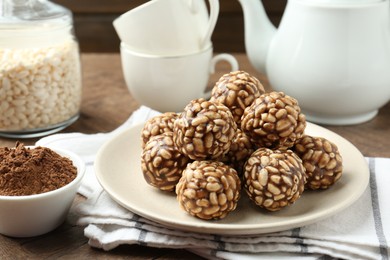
point(40, 71)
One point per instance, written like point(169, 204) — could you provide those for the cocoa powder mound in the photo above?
point(27, 171)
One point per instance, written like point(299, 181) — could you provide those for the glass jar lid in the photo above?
point(33, 23)
point(20, 14)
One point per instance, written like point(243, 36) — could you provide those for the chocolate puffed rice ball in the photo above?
point(237, 90)
point(274, 179)
point(322, 161)
point(157, 125)
point(239, 152)
point(208, 189)
point(161, 163)
point(274, 120)
point(204, 130)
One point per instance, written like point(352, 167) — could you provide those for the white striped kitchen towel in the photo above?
point(362, 231)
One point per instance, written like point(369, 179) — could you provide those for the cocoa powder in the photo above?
point(27, 171)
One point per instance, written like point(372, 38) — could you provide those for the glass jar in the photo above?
point(40, 70)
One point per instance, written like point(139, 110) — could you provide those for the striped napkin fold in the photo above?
point(362, 231)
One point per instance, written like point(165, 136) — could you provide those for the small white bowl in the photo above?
point(33, 215)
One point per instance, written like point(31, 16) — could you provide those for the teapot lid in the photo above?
point(29, 13)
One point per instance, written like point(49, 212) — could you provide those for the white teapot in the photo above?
point(333, 56)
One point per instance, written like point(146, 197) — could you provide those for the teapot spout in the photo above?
point(259, 32)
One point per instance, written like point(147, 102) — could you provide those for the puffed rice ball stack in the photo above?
point(242, 138)
point(322, 161)
point(237, 90)
point(204, 130)
point(274, 120)
point(208, 189)
point(274, 179)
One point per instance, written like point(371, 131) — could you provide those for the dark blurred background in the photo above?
point(94, 30)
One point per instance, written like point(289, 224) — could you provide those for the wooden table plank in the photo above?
point(106, 104)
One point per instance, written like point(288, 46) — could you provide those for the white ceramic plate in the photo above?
point(118, 170)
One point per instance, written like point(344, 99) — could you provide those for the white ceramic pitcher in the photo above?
point(332, 55)
point(168, 27)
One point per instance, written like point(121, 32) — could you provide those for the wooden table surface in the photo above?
point(106, 104)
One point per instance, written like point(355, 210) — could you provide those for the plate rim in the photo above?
point(225, 228)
